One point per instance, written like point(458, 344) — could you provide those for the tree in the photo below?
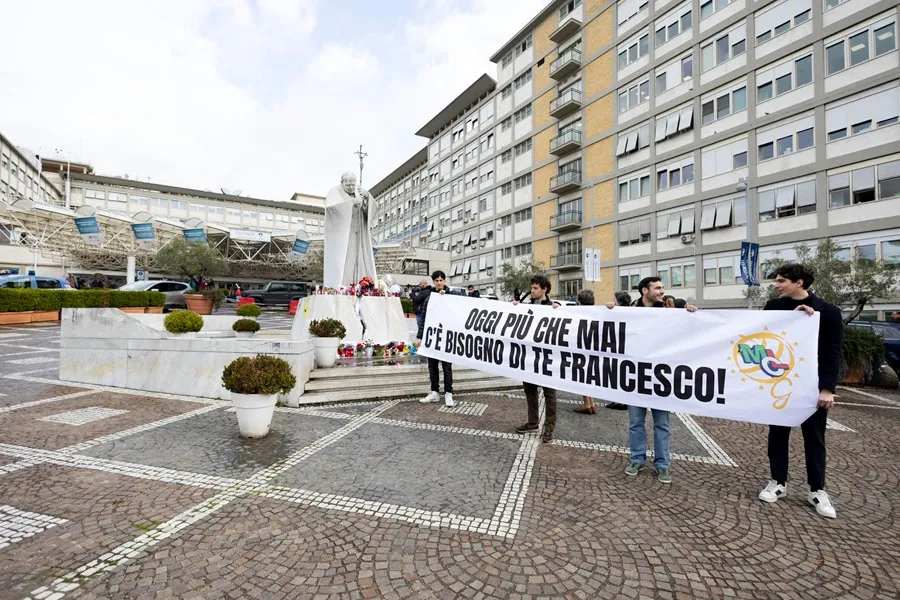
point(189, 259)
point(842, 277)
point(515, 277)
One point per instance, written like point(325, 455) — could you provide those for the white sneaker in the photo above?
point(823, 504)
point(773, 491)
point(431, 397)
point(448, 400)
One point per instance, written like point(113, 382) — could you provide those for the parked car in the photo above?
point(278, 293)
point(35, 282)
point(891, 334)
point(174, 291)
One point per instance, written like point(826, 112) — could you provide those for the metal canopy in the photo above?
point(50, 230)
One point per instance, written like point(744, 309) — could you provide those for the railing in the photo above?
point(569, 217)
point(571, 95)
point(567, 178)
point(566, 138)
point(566, 260)
point(568, 56)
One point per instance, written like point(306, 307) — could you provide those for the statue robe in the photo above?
point(348, 241)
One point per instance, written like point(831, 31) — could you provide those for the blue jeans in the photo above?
point(637, 436)
point(420, 325)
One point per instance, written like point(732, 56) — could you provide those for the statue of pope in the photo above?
point(348, 242)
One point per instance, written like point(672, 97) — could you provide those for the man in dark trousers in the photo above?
point(652, 296)
point(540, 292)
point(792, 282)
point(419, 297)
point(440, 287)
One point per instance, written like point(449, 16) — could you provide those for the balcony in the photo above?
point(565, 104)
point(566, 29)
point(565, 143)
point(566, 262)
point(567, 64)
point(565, 182)
point(570, 219)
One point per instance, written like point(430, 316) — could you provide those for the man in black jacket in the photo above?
point(792, 282)
point(419, 297)
point(440, 287)
point(540, 292)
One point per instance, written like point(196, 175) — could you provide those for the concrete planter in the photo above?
point(325, 350)
point(244, 334)
point(254, 413)
point(199, 303)
point(134, 310)
point(153, 310)
point(39, 316)
point(15, 318)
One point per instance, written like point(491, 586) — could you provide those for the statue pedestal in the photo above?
point(383, 317)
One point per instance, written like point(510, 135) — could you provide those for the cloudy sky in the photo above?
point(270, 97)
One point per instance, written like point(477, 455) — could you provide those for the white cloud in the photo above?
point(246, 94)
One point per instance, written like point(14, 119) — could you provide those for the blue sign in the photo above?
point(89, 229)
point(195, 235)
point(143, 233)
point(300, 247)
point(749, 263)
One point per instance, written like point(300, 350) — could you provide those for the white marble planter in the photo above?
point(243, 334)
point(325, 350)
point(254, 413)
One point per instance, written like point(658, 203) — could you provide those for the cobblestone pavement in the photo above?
point(105, 494)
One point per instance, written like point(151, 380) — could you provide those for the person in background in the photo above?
point(540, 294)
point(473, 293)
point(440, 287)
point(586, 298)
point(419, 297)
point(792, 282)
point(622, 299)
point(895, 316)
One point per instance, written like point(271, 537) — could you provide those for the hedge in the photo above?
point(407, 305)
point(18, 300)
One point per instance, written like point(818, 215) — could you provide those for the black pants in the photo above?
point(813, 443)
point(433, 373)
point(533, 399)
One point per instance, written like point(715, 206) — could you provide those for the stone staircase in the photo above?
point(344, 383)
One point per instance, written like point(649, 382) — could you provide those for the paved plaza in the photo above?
point(114, 494)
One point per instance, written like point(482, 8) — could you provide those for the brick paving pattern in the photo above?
point(402, 500)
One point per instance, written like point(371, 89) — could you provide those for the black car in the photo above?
point(278, 293)
point(891, 334)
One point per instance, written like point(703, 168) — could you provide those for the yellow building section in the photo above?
point(599, 159)
point(542, 214)
point(598, 116)
point(600, 31)
point(542, 42)
point(598, 75)
point(542, 180)
point(542, 250)
point(603, 198)
point(541, 145)
point(542, 108)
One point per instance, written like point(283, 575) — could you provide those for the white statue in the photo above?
point(348, 243)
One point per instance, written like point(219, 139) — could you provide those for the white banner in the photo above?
point(754, 366)
point(588, 264)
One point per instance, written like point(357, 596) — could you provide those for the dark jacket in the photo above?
point(831, 335)
point(419, 297)
point(546, 301)
point(431, 290)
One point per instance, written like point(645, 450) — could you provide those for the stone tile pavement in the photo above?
point(139, 496)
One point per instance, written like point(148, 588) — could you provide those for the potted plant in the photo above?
point(248, 310)
point(327, 335)
point(193, 260)
point(245, 328)
point(862, 354)
point(254, 385)
point(183, 322)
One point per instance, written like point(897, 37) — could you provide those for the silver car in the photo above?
point(174, 291)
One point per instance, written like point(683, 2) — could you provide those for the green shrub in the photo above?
point(862, 349)
point(183, 321)
point(17, 300)
point(259, 375)
point(245, 325)
point(327, 328)
point(407, 305)
point(248, 310)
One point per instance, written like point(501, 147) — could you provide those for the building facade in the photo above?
point(663, 134)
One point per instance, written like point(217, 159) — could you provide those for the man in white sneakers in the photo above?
point(440, 287)
point(792, 282)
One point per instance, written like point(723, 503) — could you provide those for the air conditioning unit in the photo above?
point(458, 250)
point(466, 276)
point(490, 272)
point(687, 238)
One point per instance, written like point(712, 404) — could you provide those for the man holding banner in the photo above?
point(540, 291)
point(652, 296)
point(792, 282)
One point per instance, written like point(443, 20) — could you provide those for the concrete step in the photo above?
point(372, 382)
point(344, 394)
point(377, 371)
